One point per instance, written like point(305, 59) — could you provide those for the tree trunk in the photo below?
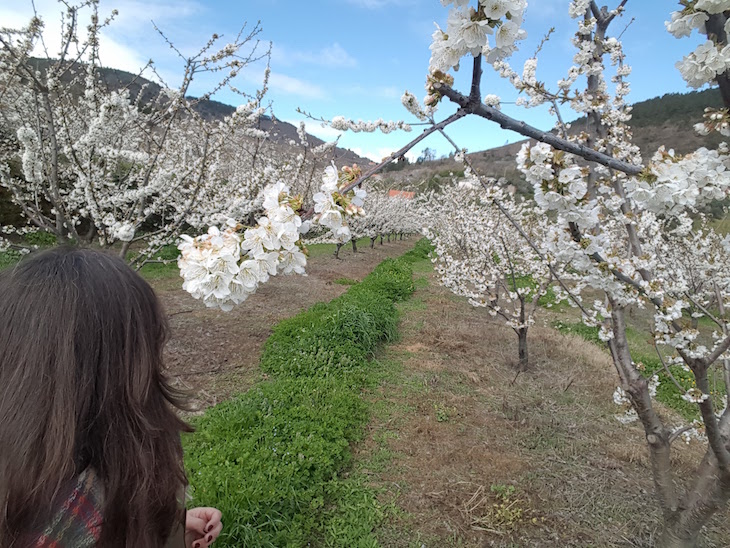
point(89, 237)
point(708, 495)
point(388, 238)
point(381, 239)
point(354, 245)
point(124, 250)
point(372, 242)
point(337, 251)
point(522, 348)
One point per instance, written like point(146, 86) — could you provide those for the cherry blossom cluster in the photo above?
point(712, 57)
point(491, 29)
point(331, 206)
point(621, 398)
point(714, 120)
point(223, 267)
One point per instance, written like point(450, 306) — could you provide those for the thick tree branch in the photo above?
point(714, 437)
point(507, 122)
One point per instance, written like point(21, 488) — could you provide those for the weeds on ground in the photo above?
point(498, 510)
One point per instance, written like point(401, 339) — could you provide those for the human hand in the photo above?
point(202, 527)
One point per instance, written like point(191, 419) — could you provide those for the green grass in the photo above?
point(9, 258)
point(320, 250)
point(721, 226)
point(346, 281)
point(159, 271)
point(276, 459)
point(40, 238)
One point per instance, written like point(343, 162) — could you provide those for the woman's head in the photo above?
point(81, 386)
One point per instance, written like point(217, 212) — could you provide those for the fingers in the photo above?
point(195, 525)
point(214, 532)
point(205, 524)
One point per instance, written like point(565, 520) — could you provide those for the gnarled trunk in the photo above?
point(337, 251)
point(354, 245)
point(708, 494)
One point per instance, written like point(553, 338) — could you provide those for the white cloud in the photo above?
point(124, 44)
point(333, 56)
point(294, 86)
point(284, 84)
point(116, 55)
point(365, 154)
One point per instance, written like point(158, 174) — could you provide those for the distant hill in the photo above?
point(665, 120)
point(281, 132)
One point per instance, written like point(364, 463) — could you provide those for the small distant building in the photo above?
point(401, 194)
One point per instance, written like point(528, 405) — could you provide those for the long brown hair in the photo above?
point(82, 386)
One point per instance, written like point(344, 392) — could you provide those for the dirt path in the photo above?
point(214, 354)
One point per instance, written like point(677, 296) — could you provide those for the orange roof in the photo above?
point(401, 194)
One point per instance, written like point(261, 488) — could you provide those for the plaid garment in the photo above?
point(77, 522)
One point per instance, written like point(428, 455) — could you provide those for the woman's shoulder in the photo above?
point(76, 518)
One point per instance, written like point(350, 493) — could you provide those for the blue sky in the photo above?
point(355, 57)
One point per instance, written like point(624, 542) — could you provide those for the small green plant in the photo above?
point(506, 511)
point(498, 511)
point(587, 332)
point(9, 258)
point(346, 281)
point(40, 239)
point(442, 413)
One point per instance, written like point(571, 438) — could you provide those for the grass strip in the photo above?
point(274, 459)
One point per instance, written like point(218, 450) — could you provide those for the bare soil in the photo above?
point(474, 454)
point(213, 354)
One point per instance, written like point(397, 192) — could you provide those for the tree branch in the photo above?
point(714, 437)
point(398, 153)
point(507, 122)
